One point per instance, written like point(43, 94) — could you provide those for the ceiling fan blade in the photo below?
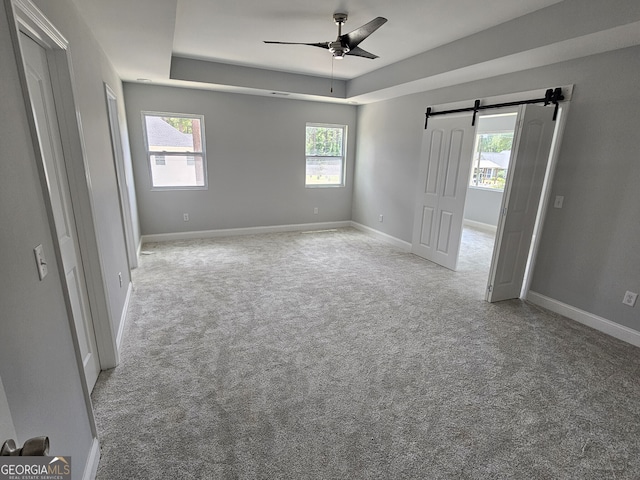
point(358, 52)
point(352, 39)
point(319, 44)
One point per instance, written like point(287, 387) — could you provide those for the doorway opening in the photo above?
point(489, 169)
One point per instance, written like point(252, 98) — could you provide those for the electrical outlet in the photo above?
point(185, 216)
point(315, 210)
point(380, 218)
point(630, 298)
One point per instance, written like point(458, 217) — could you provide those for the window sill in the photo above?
point(170, 189)
point(486, 189)
point(324, 186)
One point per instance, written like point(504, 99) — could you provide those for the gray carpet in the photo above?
point(332, 355)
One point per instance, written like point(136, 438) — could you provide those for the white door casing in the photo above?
point(521, 200)
point(43, 105)
point(121, 178)
point(445, 164)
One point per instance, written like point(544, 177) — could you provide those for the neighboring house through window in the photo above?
point(325, 148)
point(490, 169)
point(492, 151)
point(175, 150)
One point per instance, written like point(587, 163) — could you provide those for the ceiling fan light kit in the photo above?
point(346, 44)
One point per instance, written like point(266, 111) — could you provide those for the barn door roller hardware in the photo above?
point(551, 96)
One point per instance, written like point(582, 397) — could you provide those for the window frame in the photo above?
point(343, 157)
point(496, 131)
point(191, 153)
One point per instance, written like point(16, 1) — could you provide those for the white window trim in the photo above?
point(167, 154)
point(344, 156)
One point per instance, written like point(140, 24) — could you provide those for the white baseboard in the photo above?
point(123, 318)
point(231, 232)
point(91, 467)
point(616, 330)
point(481, 226)
point(396, 242)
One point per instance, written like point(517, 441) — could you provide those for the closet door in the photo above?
point(44, 111)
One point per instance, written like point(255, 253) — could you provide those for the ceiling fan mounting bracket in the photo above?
point(340, 18)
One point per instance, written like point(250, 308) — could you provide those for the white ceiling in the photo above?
point(141, 36)
point(232, 31)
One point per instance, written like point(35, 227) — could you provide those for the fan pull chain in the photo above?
point(331, 73)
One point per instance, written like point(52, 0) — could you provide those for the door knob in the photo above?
point(34, 447)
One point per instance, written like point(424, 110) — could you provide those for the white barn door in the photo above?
point(445, 164)
point(525, 180)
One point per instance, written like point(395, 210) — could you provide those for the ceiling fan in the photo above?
point(346, 44)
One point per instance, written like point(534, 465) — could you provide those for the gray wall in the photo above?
point(388, 150)
point(483, 206)
point(92, 70)
point(255, 161)
point(588, 255)
point(37, 360)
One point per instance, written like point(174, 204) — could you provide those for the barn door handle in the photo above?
point(34, 447)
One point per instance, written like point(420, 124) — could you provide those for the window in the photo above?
point(492, 151)
point(175, 150)
point(325, 153)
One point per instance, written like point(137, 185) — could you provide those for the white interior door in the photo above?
point(445, 164)
point(41, 93)
point(525, 180)
point(7, 429)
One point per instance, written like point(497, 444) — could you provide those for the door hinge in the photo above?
point(504, 211)
point(490, 288)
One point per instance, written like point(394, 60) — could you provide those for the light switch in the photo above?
point(41, 262)
point(558, 202)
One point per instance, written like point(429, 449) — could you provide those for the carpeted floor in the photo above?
point(333, 355)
